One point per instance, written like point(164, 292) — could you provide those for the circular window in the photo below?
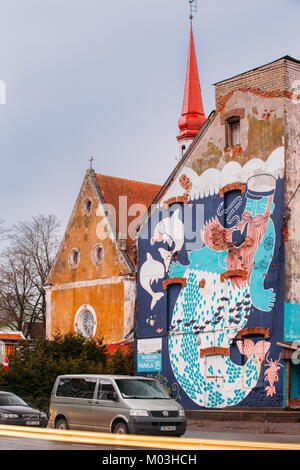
point(87, 207)
point(97, 254)
point(74, 257)
point(85, 321)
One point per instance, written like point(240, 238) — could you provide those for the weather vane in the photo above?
point(193, 8)
point(91, 162)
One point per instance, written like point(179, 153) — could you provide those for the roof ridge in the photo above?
point(126, 179)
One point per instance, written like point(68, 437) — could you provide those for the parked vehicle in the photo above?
point(117, 404)
point(15, 411)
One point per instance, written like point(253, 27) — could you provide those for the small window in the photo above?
point(87, 207)
point(106, 390)
point(97, 254)
point(233, 131)
point(74, 258)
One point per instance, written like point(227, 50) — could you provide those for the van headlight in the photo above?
point(181, 413)
point(138, 413)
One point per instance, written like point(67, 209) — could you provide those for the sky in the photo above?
point(106, 79)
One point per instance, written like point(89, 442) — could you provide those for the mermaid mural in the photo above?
point(224, 283)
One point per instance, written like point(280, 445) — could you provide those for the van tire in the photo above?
point(61, 423)
point(120, 428)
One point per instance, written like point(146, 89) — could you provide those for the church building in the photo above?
point(91, 288)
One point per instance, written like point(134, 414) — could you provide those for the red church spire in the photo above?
point(192, 116)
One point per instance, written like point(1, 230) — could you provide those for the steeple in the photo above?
point(192, 116)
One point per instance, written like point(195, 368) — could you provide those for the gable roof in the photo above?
point(136, 192)
point(108, 189)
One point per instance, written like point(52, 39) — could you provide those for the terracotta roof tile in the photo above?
point(15, 336)
point(128, 201)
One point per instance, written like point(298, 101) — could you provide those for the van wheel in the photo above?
point(61, 423)
point(120, 428)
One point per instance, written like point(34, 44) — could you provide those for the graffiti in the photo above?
point(150, 272)
point(171, 231)
point(271, 375)
point(233, 207)
point(173, 390)
point(220, 309)
point(226, 284)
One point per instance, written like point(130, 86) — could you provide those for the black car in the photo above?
point(16, 412)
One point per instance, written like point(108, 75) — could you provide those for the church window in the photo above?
point(97, 254)
point(87, 207)
point(74, 258)
point(85, 321)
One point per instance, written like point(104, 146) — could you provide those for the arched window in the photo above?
point(74, 257)
point(97, 254)
point(85, 321)
point(87, 207)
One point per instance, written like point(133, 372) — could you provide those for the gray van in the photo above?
point(117, 404)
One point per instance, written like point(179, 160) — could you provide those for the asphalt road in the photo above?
point(227, 430)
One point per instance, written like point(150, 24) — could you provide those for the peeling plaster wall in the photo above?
point(106, 289)
point(261, 132)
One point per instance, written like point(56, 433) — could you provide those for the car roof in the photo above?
point(3, 392)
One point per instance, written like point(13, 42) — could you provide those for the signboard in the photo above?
point(149, 355)
point(5, 363)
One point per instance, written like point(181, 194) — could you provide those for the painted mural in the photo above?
point(217, 303)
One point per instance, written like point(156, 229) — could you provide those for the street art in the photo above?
point(171, 231)
point(271, 375)
point(224, 283)
point(150, 272)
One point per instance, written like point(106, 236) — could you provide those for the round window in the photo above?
point(97, 254)
point(74, 257)
point(87, 207)
point(85, 321)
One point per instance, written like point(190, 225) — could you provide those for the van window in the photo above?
point(135, 388)
point(105, 390)
point(76, 387)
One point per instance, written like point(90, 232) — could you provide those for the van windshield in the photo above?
point(146, 389)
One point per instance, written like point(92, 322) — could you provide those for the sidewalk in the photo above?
point(258, 421)
point(249, 427)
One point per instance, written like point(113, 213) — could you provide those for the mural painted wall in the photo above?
point(211, 286)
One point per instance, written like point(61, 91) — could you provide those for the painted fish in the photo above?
point(171, 231)
point(151, 271)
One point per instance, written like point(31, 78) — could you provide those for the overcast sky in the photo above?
point(106, 78)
